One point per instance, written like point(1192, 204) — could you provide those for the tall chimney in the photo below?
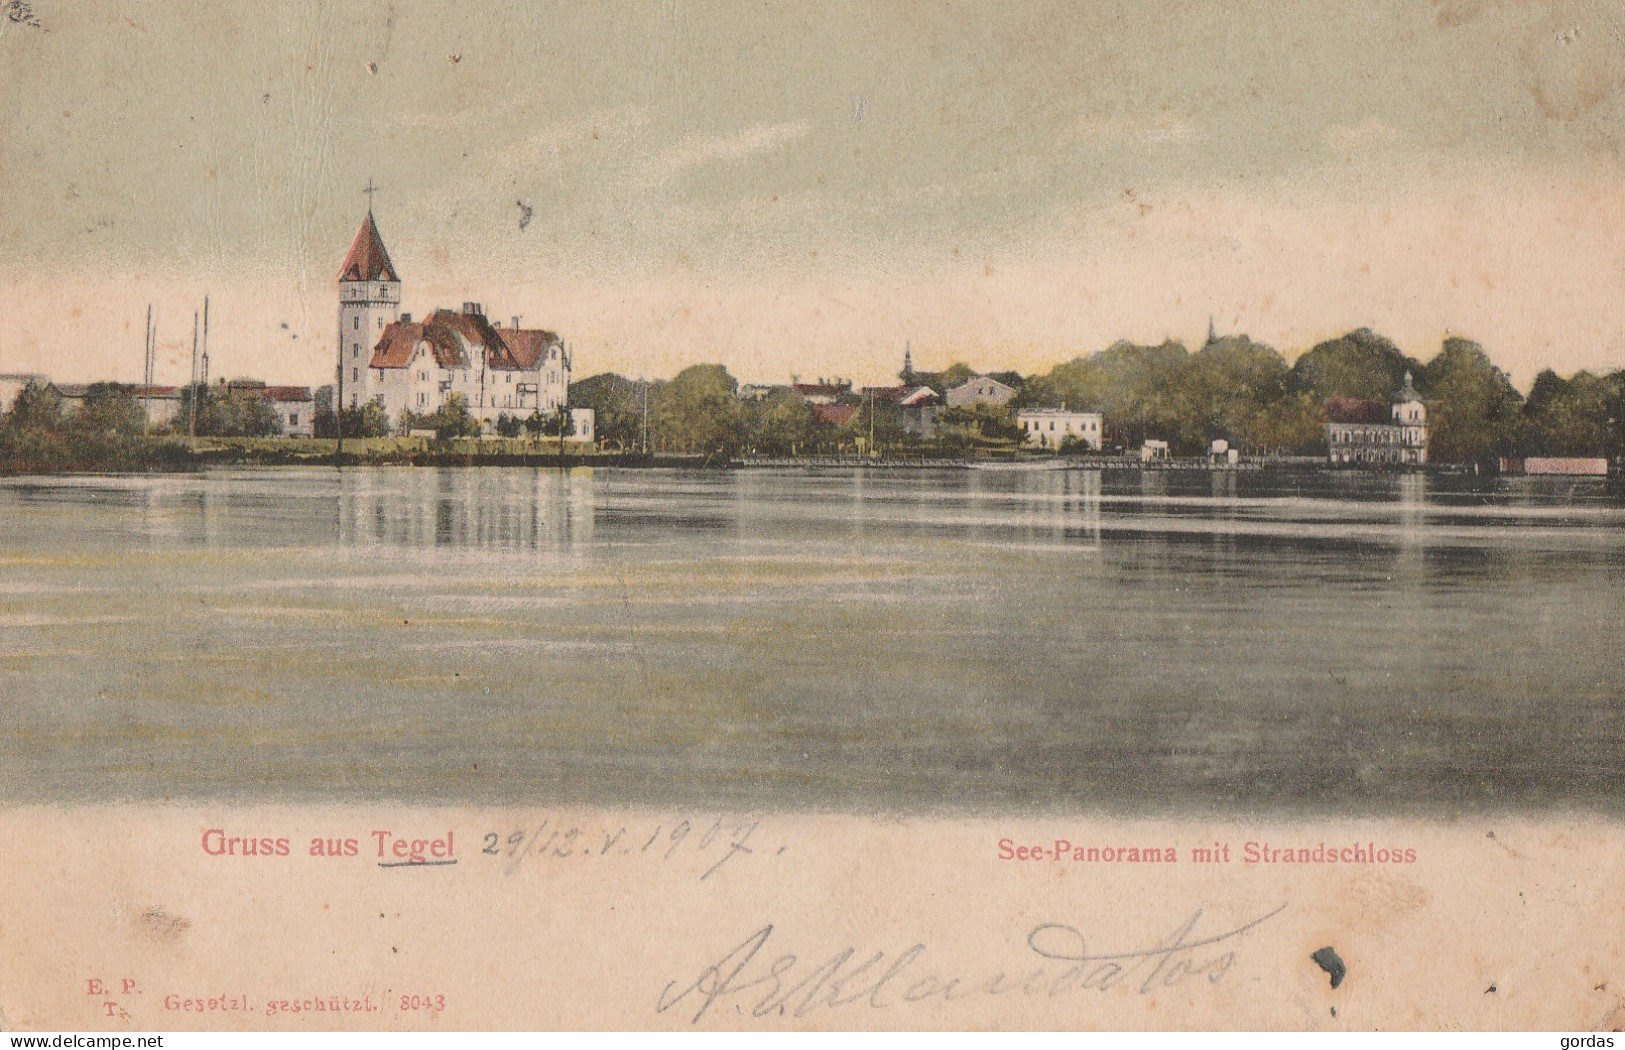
point(516, 322)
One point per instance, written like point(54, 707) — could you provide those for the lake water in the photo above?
point(968, 640)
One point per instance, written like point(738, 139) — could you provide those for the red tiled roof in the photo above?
point(72, 389)
point(456, 337)
point(834, 415)
point(367, 261)
point(156, 391)
point(527, 345)
point(396, 345)
point(289, 393)
point(1358, 410)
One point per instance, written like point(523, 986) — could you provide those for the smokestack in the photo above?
point(516, 322)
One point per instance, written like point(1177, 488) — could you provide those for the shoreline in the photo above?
point(166, 455)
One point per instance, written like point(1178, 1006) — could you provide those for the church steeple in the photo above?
point(907, 374)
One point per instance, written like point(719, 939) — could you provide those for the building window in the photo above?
point(355, 375)
point(355, 323)
point(355, 349)
point(293, 419)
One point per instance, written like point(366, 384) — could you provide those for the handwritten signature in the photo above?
point(786, 986)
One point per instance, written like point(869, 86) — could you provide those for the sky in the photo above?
point(805, 189)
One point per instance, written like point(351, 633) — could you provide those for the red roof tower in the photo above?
point(368, 259)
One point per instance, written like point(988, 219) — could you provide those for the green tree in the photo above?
point(1134, 387)
point(1360, 364)
point(1223, 391)
point(1573, 417)
point(365, 421)
point(451, 420)
point(618, 405)
point(324, 422)
point(509, 426)
point(784, 427)
point(698, 411)
point(111, 410)
point(887, 428)
point(1295, 424)
point(975, 425)
point(1473, 409)
point(37, 406)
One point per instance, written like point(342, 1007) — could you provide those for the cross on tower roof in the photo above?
point(369, 191)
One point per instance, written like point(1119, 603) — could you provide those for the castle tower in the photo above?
point(369, 299)
point(1411, 416)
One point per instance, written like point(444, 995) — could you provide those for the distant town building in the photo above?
point(1362, 431)
point(920, 407)
point(823, 392)
point(834, 415)
point(72, 394)
point(979, 390)
point(917, 406)
point(1050, 427)
point(583, 424)
point(404, 365)
point(14, 383)
point(162, 404)
point(1565, 466)
point(1152, 448)
point(295, 406)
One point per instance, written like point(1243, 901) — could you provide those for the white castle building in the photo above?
point(403, 365)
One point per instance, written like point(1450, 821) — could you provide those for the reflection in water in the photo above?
point(971, 638)
point(466, 508)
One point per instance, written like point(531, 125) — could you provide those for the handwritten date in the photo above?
point(713, 842)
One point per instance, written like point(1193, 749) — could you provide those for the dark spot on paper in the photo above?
point(157, 924)
point(20, 13)
point(525, 212)
point(1490, 990)
point(1327, 959)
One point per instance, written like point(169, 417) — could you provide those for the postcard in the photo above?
point(701, 516)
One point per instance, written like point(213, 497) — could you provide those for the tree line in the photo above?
point(1232, 388)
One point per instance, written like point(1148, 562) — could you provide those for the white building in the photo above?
point(404, 365)
point(979, 390)
point(295, 408)
point(1370, 433)
point(1049, 427)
